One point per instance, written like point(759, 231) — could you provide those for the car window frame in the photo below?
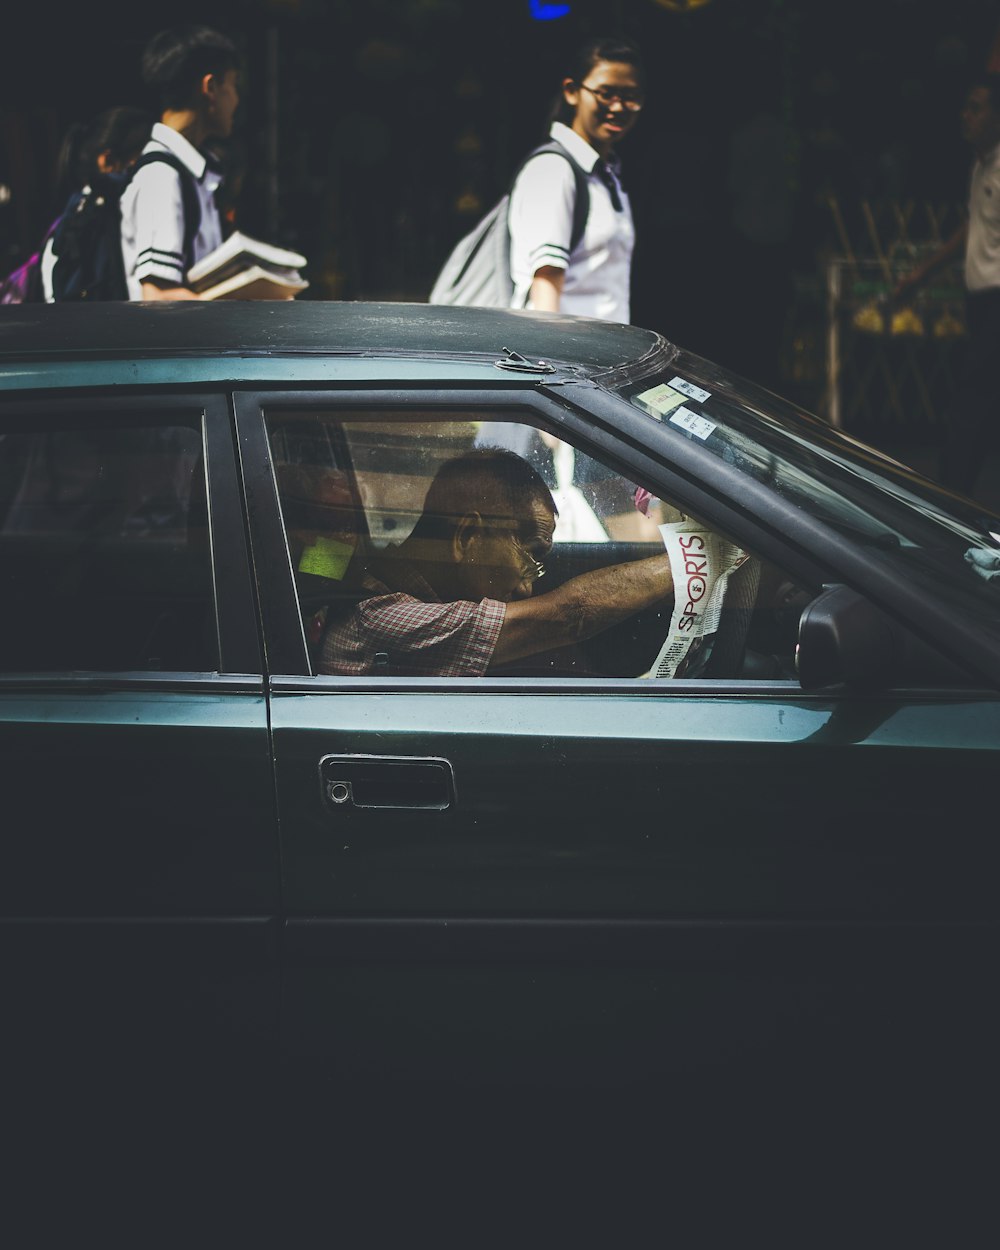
point(238, 639)
point(601, 423)
point(286, 651)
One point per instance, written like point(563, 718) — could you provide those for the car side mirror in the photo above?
point(845, 641)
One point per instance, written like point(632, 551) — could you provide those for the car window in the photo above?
point(407, 564)
point(104, 551)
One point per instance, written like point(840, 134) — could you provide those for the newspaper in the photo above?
point(702, 564)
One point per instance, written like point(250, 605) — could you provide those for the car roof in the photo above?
point(38, 332)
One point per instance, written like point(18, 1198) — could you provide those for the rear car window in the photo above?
point(104, 550)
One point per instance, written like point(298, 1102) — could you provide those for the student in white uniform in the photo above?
point(97, 156)
point(598, 104)
point(194, 70)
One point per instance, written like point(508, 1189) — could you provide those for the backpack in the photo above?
point(23, 285)
point(86, 241)
point(478, 269)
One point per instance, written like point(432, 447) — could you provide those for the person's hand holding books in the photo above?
point(246, 268)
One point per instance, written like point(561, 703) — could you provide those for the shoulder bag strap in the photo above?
point(189, 196)
point(581, 203)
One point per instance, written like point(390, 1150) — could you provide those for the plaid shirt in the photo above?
point(420, 635)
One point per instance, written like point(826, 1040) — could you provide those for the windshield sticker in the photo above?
point(659, 401)
point(690, 390)
point(700, 427)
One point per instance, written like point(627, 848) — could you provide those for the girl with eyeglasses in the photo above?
point(598, 104)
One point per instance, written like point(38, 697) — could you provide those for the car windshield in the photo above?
point(947, 543)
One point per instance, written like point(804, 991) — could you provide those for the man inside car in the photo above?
point(455, 598)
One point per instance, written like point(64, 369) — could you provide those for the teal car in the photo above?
point(742, 831)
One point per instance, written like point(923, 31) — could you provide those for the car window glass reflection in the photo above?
point(595, 503)
point(471, 548)
point(104, 553)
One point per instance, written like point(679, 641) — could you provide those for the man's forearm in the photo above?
point(582, 607)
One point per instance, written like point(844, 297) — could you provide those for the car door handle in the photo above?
point(402, 781)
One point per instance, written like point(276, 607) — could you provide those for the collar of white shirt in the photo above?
point(186, 152)
point(991, 159)
point(578, 148)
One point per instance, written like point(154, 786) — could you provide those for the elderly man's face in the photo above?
point(503, 560)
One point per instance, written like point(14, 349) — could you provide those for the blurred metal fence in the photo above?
point(890, 366)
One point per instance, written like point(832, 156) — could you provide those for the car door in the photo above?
point(139, 884)
point(585, 881)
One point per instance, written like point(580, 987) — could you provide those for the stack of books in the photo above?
point(245, 268)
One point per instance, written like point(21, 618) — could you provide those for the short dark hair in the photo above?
point(122, 131)
point(493, 481)
point(175, 61)
point(615, 49)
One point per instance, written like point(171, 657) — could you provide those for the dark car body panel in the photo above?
point(618, 883)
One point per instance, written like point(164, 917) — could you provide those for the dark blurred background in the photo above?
point(779, 135)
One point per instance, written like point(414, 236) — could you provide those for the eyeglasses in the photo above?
point(628, 99)
point(530, 567)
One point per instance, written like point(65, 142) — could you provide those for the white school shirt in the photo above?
point(982, 251)
point(47, 267)
point(153, 214)
point(598, 273)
